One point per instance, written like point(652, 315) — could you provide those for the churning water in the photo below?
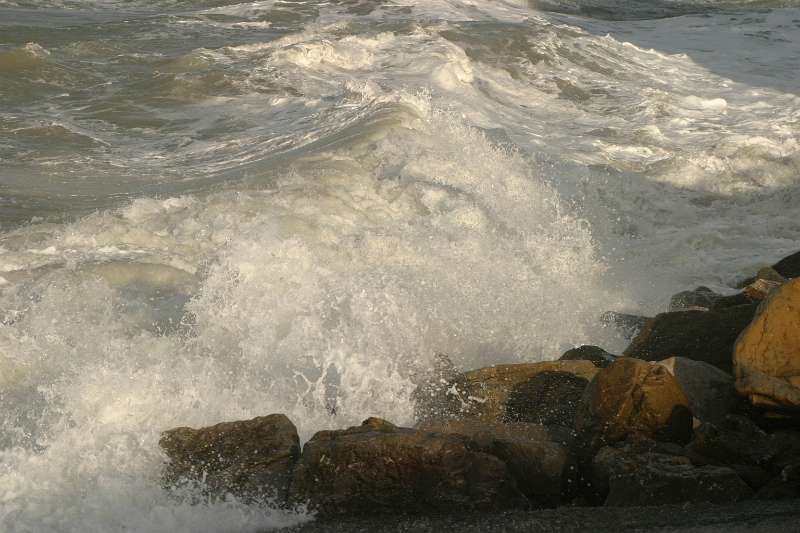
point(216, 209)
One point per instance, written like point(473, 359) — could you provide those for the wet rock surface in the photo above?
point(767, 354)
point(747, 516)
point(484, 393)
point(633, 398)
point(789, 266)
point(700, 297)
point(380, 467)
point(711, 392)
point(250, 459)
point(707, 336)
point(627, 324)
point(653, 478)
point(598, 356)
point(549, 398)
point(736, 440)
point(539, 457)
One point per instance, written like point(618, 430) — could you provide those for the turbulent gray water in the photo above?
point(214, 210)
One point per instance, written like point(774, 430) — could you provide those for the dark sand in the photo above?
point(767, 516)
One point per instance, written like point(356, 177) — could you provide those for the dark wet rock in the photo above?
point(483, 393)
point(628, 325)
point(789, 444)
point(250, 459)
point(549, 398)
point(658, 479)
point(633, 398)
point(755, 476)
point(621, 458)
point(706, 336)
point(539, 457)
point(767, 353)
point(734, 300)
point(700, 297)
point(378, 467)
point(770, 274)
point(788, 267)
point(431, 397)
point(598, 356)
point(710, 391)
point(785, 485)
point(750, 516)
point(736, 440)
point(765, 274)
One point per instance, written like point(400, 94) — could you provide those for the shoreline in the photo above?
point(751, 516)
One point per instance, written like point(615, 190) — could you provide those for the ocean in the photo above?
point(218, 209)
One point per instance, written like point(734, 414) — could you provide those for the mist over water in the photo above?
point(226, 209)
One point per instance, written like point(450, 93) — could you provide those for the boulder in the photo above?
point(710, 391)
point(766, 274)
point(756, 477)
point(767, 353)
point(633, 398)
point(378, 467)
point(706, 336)
point(483, 393)
point(789, 445)
point(598, 356)
point(788, 267)
point(659, 479)
point(432, 398)
point(250, 459)
point(734, 300)
point(549, 398)
point(736, 440)
point(785, 485)
point(702, 297)
point(538, 457)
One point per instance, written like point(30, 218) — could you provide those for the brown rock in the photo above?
point(633, 398)
point(767, 354)
point(765, 274)
point(706, 336)
point(761, 289)
point(483, 393)
point(538, 457)
point(378, 467)
point(251, 459)
point(710, 391)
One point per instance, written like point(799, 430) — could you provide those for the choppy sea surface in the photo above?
point(217, 209)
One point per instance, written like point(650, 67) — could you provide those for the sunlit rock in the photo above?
point(767, 354)
point(633, 398)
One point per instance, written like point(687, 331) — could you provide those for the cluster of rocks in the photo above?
point(703, 406)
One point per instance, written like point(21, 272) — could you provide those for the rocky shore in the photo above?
point(702, 409)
